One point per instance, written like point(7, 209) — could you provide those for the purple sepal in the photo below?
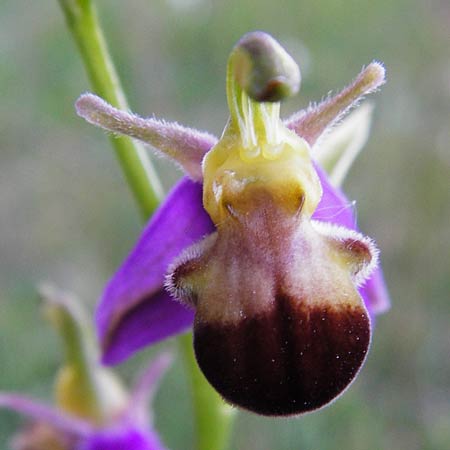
point(150, 321)
point(123, 439)
point(375, 293)
point(334, 207)
point(135, 310)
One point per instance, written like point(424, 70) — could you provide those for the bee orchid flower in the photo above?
point(254, 247)
point(93, 411)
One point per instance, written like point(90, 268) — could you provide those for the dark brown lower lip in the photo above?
point(288, 361)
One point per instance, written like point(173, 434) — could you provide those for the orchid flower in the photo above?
point(93, 410)
point(255, 246)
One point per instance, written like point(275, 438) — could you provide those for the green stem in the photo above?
point(213, 417)
point(82, 20)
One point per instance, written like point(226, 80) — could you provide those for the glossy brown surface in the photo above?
point(287, 361)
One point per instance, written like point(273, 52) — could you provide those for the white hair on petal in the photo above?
point(341, 234)
point(195, 251)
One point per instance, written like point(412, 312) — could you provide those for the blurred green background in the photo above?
point(66, 214)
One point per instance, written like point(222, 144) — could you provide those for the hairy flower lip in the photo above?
point(280, 328)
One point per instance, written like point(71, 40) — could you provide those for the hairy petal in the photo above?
point(337, 151)
point(311, 123)
point(358, 251)
point(185, 146)
point(335, 208)
point(134, 310)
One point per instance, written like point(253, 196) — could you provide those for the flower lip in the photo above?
point(283, 312)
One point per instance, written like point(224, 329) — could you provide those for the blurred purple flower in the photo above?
point(136, 310)
point(94, 411)
point(54, 429)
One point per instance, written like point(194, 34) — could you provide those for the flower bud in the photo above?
point(264, 69)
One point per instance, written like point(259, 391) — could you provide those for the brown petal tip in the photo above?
point(290, 360)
